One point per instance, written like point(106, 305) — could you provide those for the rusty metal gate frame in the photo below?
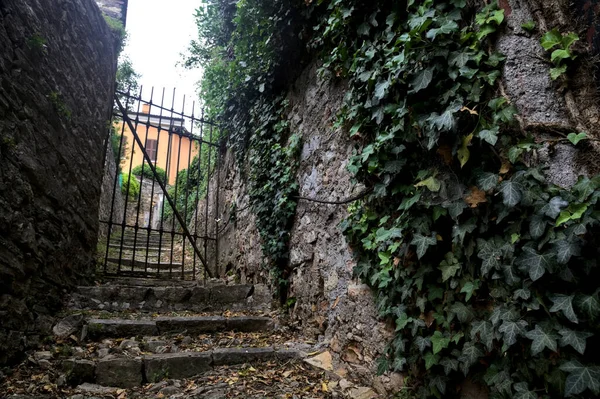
point(121, 111)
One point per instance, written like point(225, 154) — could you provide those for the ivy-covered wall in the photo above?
point(472, 126)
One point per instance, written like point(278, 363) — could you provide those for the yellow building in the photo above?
point(166, 150)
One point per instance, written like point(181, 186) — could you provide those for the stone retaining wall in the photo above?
point(57, 68)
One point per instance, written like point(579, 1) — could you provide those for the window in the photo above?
point(151, 149)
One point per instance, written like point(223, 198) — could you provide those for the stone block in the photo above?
point(200, 296)
point(193, 325)
point(117, 328)
point(176, 365)
point(229, 294)
point(250, 324)
point(172, 295)
point(119, 372)
point(78, 371)
point(231, 356)
point(68, 325)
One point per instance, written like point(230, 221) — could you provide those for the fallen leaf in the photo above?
point(446, 153)
point(337, 300)
point(505, 168)
point(471, 111)
point(323, 387)
point(475, 197)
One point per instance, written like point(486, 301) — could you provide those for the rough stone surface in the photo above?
point(249, 324)
point(230, 356)
point(176, 365)
point(102, 328)
point(193, 325)
point(69, 325)
point(175, 298)
point(119, 372)
point(79, 371)
point(57, 68)
point(109, 209)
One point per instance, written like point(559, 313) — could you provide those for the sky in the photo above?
point(159, 32)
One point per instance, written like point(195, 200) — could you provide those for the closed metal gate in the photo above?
point(164, 163)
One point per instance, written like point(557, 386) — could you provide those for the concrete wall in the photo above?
point(57, 68)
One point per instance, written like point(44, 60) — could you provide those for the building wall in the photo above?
point(172, 152)
point(57, 68)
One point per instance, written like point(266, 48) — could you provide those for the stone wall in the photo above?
point(57, 68)
point(109, 205)
point(116, 9)
point(330, 306)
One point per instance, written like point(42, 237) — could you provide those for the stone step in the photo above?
point(143, 264)
point(140, 248)
point(164, 243)
point(196, 298)
point(148, 282)
point(123, 372)
point(113, 328)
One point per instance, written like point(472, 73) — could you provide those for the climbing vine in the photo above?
point(245, 48)
point(485, 268)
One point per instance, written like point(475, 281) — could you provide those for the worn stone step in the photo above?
point(144, 264)
point(114, 328)
point(194, 298)
point(125, 372)
point(138, 248)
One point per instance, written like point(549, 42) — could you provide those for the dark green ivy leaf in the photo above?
point(422, 243)
point(553, 208)
point(439, 342)
point(422, 343)
point(523, 391)
point(462, 312)
point(574, 338)
point(581, 378)
point(534, 263)
point(565, 249)
point(589, 305)
point(449, 365)
point(439, 381)
point(485, 331)
point(564, 303)
point(469, 356)
point(422, 80)
point(487, 181)
point(511, 330)
point(511, 193)
point(431, 360)
point(541, 339)
point(491, 135)
point(537, 226)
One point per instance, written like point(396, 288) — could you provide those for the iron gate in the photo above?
point(164, 192)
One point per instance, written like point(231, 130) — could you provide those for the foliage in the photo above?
point(146, 171)
point(127, 81)
point(246, 49)
point(560, 44)
point(118, 31)
point(130, 186)
point(117, 145)
point(487, 270)
point(189, 188)
point(37, 42)
point(273, 166)
point(58, 102)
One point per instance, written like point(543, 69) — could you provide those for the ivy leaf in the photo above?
point(574, 338)
point(439, 381)
point(422, 80)
point(554, 206)
point(422, 243)
point(541, 339)
point(463, 152)
point(383, 234)
point(523, 391)
point(575, 138)
point(490, 136)
point(537, 226)
point(469, 356)
point(485, 331)
point(439, 342)
point(487, 181)
point(380, 89)
point(511, 330)
point(558, 55)
point(564, 303)
point(551, 39)
point(581, 378)
point(459, 58)
point(422, 343)
point(511, 193)
point(462, 312)
point(445, 121)
point(589, 305)
point(449, 365)
point(568, 39)
point(431, 360)
point(565, 250)
point(522, 293)
point(469, 288)
point(449, 267)
point(556, 72)
point(431, 183)
point(534, 263)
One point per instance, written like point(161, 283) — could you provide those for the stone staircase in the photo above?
point(140, 338)
point(145, 254)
